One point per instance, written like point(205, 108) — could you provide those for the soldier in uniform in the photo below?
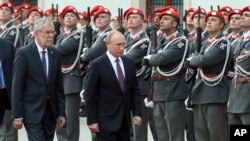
point(187, 18)
point(115, 22)
point(239, 101)
point(235, 39)
point(169, 90)
point(10, 33)
point(136, 47)
point(225, 11)
point(69, 43)
point(210, 92)
point(102, 19)
point(33, 14)
point(83, 20)
point(7, 30)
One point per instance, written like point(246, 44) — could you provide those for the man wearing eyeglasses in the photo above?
point(38, 99)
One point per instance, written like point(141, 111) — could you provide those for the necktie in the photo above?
point(120, 74)
point(44, 63)
point(1, 76)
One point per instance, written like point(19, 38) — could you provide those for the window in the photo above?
point(19, 2)
point(179, 5)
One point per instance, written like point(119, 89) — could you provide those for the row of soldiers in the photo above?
point(207, 69)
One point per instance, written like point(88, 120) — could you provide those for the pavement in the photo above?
point(84, 133)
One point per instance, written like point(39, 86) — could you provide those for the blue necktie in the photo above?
point(120, 74)
point(44, 63)
point(1, 76)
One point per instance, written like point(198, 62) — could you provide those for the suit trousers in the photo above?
point(210, 122)
point(141, 132)
point(7, 131)
point(170, 120)
point(239, 118)
point(45, 130)
point(71, 131)
point(123, 134)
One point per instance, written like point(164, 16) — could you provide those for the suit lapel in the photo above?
point(37, 59)
point(51, 62)
point(111, 69)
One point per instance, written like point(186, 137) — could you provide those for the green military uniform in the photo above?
point(29, 38)
point(10, 33)
point(68, 46)
point(136, 48)
point(239, 103)
point(169, 92)
point(210, 101)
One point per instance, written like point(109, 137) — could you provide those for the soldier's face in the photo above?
point(245, 19)
point(235, 21)
point(188, 18)
point(156, 19)
point(214, 24)
point(135, 21)
point(116, 45)
point(202, 21)
point(45, 36)
point(167, 22)
point(5, 14)
point(33, 16)
point(115, 24)
point(70, 19)
point(102, 21)
point(225, 14)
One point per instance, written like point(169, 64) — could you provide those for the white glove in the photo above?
point(189, 58)
point(84, 50)
point(148, 57)
point(186, 104)
point(149, 104)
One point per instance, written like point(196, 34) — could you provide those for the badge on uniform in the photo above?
point(180, 44)
point(223, 46)
point(76, 37)
point(144, 46)
point(12, 33)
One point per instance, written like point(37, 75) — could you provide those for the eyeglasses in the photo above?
point(48, 32)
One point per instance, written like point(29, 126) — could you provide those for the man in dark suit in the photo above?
point(38, 99)
point(112, 92)
point(6, 62)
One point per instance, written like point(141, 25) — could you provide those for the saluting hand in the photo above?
point(137, 120)
point(18, 123)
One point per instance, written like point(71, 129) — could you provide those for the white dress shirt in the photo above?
point(113, 62)
point(40, 50)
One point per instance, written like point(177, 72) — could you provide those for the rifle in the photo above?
point(218, 7)
point(191, 77)
point(185, 32)
point(120, 16)
point(21, 29)
point(56, 22)
point(88, 42)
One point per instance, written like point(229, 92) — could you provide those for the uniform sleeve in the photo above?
point(212, 57)
point(169, 56)
point(69, 45)
point(138, 52)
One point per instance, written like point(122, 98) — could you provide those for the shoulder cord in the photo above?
point(179, 67)
point(217, 79)
point(66, 70)
point(8, 30)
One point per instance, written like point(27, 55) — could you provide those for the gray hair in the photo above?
point(40, 22)
point(111, 34)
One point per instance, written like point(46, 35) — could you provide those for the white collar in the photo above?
point(39, 48)
point(111, 57)
point(137, 34)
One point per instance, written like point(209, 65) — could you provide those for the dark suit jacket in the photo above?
point(106, 103)
point(6, 56)
point(31, 88)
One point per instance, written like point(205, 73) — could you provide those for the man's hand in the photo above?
point(137, 120)
point(18, 123)
point(61, 121)
point(94, 127)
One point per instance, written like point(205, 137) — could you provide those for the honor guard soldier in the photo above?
point(225, 12)
point(102, 19)
point(187, 18)
point(34, 14)
point(83, 20)
point(169, 89)
point(210, 92)
point(239, 101)
point(8, 31)
point(115, 22)
point(69, 43)
point(235, 39)
point(136, 47)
